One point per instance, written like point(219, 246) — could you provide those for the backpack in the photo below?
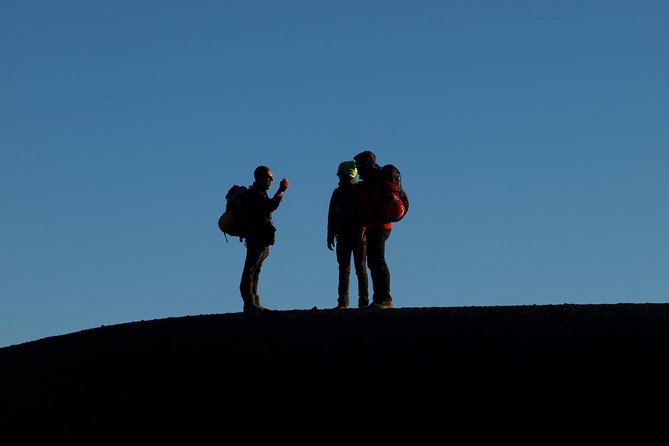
point(393, 199)
point(234, 221)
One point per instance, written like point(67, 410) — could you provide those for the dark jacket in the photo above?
point(259, 208)
point(344, 210)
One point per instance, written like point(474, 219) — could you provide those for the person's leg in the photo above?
point(343, 250)
point(256, 277)
point(248, 284)
point(376, 259)
point(360, 264)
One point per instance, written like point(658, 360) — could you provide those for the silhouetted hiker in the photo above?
point(376, 231)
point(258, 207)
point(345, 227)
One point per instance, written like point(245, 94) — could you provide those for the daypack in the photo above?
point(234, 221)
point(393, 199)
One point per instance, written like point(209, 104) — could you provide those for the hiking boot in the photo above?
point(254, 308)
point(363, 303)
point(382, 305)
point(341, 307)
point(256, 302)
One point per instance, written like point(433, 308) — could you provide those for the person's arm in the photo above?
point(275, 201)
point(332, 220)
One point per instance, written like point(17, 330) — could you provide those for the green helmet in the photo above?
point(347, 169)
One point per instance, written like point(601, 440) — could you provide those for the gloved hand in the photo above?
point(283, 185)
point(331, 242)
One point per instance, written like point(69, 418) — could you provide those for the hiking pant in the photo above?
point(347, 245)
point(376, 260)
point(248, 286)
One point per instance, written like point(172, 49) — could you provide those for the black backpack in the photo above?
point(234, 221)
point(394, 201)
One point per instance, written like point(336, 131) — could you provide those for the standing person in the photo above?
point(376, 231)
point(345, 227)
point(258, 207)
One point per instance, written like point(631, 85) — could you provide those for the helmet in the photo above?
point(347, 169)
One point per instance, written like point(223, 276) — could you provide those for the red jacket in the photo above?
point(370, 201)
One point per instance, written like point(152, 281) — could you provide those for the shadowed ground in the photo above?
point(225, 371)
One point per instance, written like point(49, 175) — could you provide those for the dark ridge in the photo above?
point(480, 360)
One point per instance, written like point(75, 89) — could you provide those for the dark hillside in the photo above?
point(236, 369)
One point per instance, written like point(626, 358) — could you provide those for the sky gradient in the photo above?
point(532, 137)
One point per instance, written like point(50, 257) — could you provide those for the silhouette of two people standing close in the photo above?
point(261, 235)
point(359, 229)
point(344, 231)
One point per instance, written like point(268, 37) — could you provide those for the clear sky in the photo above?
point(532, 136)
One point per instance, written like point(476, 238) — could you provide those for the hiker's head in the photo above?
point(365, 162)
point(347, 170)
point(263, 177)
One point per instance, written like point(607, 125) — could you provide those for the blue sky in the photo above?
point(532, 137)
